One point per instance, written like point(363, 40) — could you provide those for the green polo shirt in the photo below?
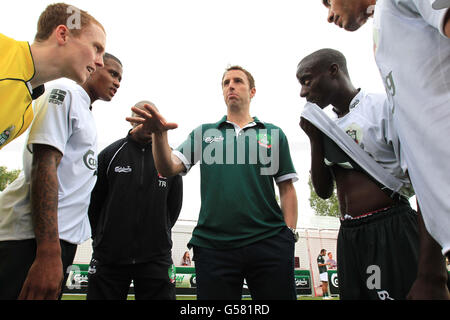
point(238, 203)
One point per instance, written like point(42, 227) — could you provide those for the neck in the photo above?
point(90, 92)
point(141, 139)
point(344, 96)
point(45, 63)
point(239, 116)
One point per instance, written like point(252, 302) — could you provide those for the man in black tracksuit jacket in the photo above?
point(132, 212)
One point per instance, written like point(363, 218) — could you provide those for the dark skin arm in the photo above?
point(447, 24)
point(45, 276)
point(431, 282)
point(321, 176)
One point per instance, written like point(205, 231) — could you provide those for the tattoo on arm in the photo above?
point(44, 192)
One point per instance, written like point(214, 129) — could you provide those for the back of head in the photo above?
point(324, 58)
point(63, 14)
point(140, 105)
point(108, 56)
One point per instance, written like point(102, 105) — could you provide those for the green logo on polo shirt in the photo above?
point(265, 140)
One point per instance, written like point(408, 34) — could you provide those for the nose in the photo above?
point(304, 92)
point(99, 61)
point(330, 18)
point(116, 83)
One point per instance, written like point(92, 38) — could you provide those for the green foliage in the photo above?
point(328, 207)
point(6, 177)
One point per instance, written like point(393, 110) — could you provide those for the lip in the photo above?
point(90, 69)
point(310, 100)
point(113, 91)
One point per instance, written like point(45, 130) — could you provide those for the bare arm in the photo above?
point(45, 275)
point(447, 24)
point(289, 205)
point(165, 162)
point(321, 176)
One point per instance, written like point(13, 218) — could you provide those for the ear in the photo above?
point(334, 70)
point(252, 93)
point(61, 33)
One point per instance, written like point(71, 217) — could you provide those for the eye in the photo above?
point(326, 3)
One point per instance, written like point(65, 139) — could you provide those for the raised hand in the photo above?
point(150, 121)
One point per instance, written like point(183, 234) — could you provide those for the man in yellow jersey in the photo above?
point(69, 43)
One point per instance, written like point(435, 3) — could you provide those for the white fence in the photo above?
point(318, 233)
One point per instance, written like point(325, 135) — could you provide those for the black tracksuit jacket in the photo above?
point(133, 208)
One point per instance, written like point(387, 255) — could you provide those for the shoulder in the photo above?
point(373, 106)
point(57, 91)
point(16, 62)
point(270, 127)
point(375, 99)
point(67, 92)
point(113, 147)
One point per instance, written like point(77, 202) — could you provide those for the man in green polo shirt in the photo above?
point(242, 233)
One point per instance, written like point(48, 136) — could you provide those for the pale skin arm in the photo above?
point(45, 276)
point(151, 121)
point(289, 205)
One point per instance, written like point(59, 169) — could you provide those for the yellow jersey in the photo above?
point(16, 94)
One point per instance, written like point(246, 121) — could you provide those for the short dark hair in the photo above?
point(108, 56)
point(250, 78)
point(325, 58)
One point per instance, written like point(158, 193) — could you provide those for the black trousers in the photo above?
point(378, 255)
point(267, 266)
point(16, 258)
point(151, 280)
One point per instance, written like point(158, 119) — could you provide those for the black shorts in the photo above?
point(16, 258)
point(378, 255)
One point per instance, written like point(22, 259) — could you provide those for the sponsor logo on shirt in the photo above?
point(214, 139)
point(57, 96)
point(123, 169)
point(90, 160)
point(4, 137)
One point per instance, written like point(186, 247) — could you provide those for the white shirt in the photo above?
point(413, 56)
point(64, 121)
point(369, 123)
